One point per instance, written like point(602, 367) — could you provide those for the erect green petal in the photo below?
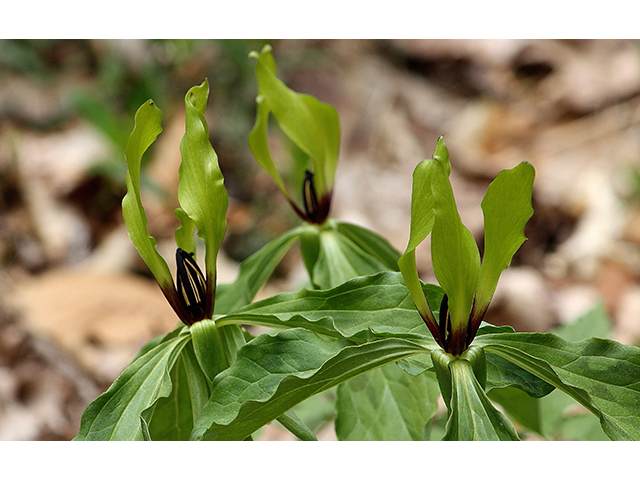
point(423, 204)
point(184, 233)
point(146, 128)
point(422, 218)
point(201, 193)
point(507, 208)
point(456, 260)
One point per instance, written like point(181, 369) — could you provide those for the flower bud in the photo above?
point(192, 286)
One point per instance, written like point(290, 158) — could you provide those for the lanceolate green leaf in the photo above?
point(115, 415)
point(147, 127)
point(274, 373)
point(602, 375)
point(386, 404)
point(507, 208)
point(208, 349)
point(201, 192)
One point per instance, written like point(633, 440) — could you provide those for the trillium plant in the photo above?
point(367, 329)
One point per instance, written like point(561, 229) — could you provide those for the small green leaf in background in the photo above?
point(520, 407)
point(337, 252)
point(386, 404)
point(340, 260)
point(371, 244)
point(254, 273)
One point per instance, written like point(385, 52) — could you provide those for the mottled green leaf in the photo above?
point(378, 303)
point(602, 375)
point(386, 404)
point(274, 373)
point(172, 418)
point(115, 415)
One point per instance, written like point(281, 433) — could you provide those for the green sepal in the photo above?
point(310, 248)
point(441, 364)
point(441, 361)
point(472, 416)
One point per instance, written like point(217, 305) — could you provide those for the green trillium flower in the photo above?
point(203, 204)
point(468, 282)
point(312, 126)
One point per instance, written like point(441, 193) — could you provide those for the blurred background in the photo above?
point(76, 301)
